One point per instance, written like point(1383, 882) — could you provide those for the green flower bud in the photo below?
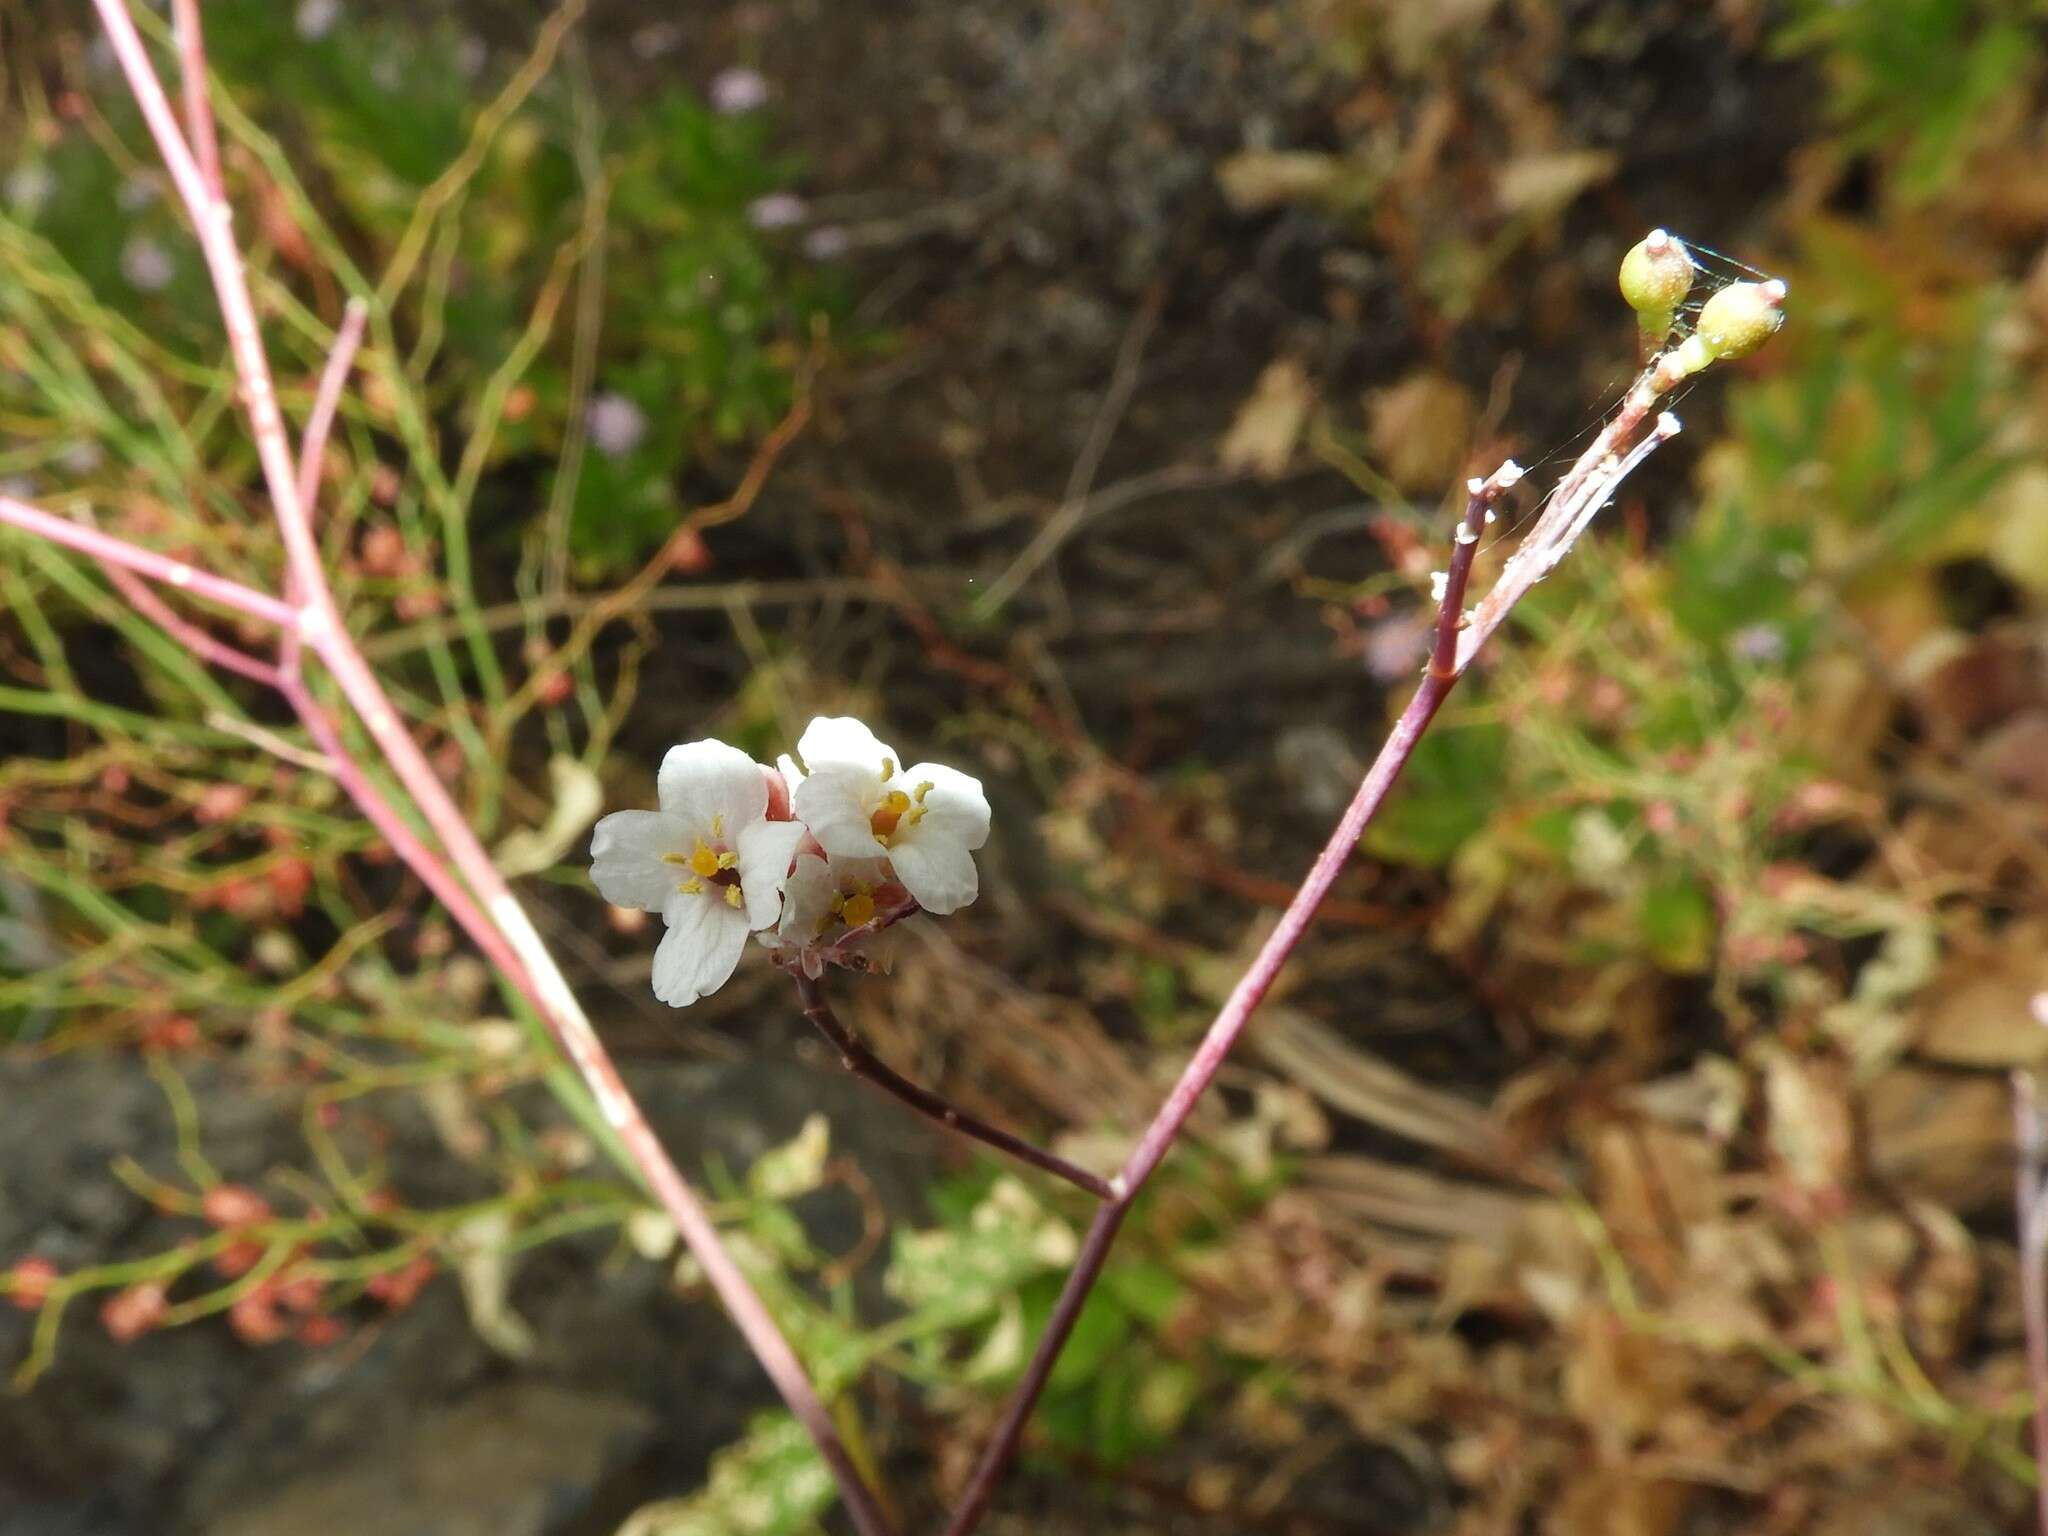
point(1733, 323)
point(1742, 317)
point(1656, 275)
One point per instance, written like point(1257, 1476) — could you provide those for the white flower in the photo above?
point(826, 904)
point(707, 861)
point(927, 820)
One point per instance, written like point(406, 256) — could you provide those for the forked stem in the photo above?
point(1457, 638)
point(474, 892)
point(866, 1065)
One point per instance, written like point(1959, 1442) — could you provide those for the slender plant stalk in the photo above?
point(1458, 636)
point(476, 896)
point(2030, 1132)
point(110, 550)
point(865, 1064)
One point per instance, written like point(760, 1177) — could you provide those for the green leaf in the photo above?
point(1678, 923)
point(772, 1483)
point(1148, 1290)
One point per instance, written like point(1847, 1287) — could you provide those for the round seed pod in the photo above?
point(1656, 276)
point(1741, 318)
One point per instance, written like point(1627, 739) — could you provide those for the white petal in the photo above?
point(708, 783)
point(700, 949)
point(765, 849)
point(805, 900)
point(791, 774)
point(937, 871)
point(843, 739)
point(626, 851)
point(854, 874)
point(954, 806)
point(835, 801)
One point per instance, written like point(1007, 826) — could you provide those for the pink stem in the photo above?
point(2032, 1139)
point(144, 601)
point(213, 224)
point(502, 924)
point(110, 550)
point(327, 400)
point(198, 110)
point(1450, 618)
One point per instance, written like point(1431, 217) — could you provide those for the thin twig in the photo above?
point(707, 597)
point(109, 550)
point(1479, 500)
point(1116, 399)
point(327, 399)
point(198, 109)
point(2030, 1134)
point(864, 1063)
point(143, 599)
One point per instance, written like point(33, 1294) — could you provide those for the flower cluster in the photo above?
point(816, 858)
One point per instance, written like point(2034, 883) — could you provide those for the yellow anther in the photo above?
point(888, 768)
point(924, 789)
point(732, 896)
point(888, 813)
point(691, 887)
point(857, 909)
point(728, 860)
point(718, 825)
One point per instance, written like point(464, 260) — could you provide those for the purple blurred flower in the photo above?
point(1760, 644)
point(738, 89)
point(778, 210)
point(1395, 647)
point(657, 38)
point(316, 18)
point(616, 425)
point(828, 242)
point(146, 264)
point(30, 187)
point(82, 457)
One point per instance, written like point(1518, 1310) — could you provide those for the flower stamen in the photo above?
point(885, 817)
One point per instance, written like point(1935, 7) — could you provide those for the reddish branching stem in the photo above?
point(460, 873)
point(1586, 487)
point(1450, 618)
point(863, 1063)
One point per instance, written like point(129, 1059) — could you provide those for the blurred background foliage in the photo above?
point(1629, 1154)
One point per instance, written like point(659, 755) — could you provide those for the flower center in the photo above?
point(898, 811)
point(889, 815)
point(709, 866)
